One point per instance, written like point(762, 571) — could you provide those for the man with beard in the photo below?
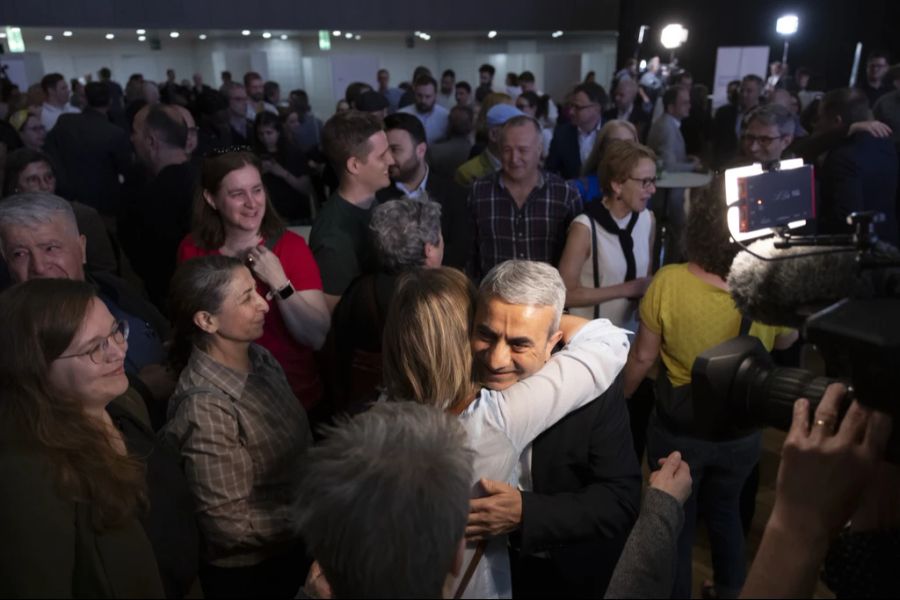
point(432, 115)
point(412, 177)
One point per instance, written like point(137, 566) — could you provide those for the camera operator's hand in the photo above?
point(822, 473)
point(674, 478)
point(821, 477)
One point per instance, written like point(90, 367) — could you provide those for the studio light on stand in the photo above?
point(672, 37)
point(786, 26)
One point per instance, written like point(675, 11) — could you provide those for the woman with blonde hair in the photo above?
point(606, 263)
point(589, 183)
point(428, 359)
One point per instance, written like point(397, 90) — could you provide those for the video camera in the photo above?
point(842, 291)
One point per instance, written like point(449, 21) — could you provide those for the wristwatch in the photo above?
point(286, 291)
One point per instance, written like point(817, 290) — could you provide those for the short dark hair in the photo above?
point(16, 162)
point(346, 135)
point(754, 78)
point(671, 95)
point(97, 94)
point(408, 123)
point(486, 68)
point(419, 71)
point(251, 76)
point(531, 97)
point(526, 77)
point(170, 130)
point(879, 53)
point(226, 75)
point(424, 80)
point(594, 92)
point(270, 87)
point(461, 121)
point(354, 91)
point(849, 104)
point(50, 80)
point(104, 73)
point(464, 85)
point(801, 72)
point(448, 73)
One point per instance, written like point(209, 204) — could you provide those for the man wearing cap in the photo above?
point(373, 102)
point(433, 115)
point(488, 161)
point(520, 212)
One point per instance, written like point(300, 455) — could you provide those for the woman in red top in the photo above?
point(233, 216)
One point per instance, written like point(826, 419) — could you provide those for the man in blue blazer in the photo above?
point(572, 142)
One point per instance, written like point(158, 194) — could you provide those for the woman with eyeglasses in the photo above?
point(233, 216)
point(240, 431)
point(606, 263)
point(91, 505)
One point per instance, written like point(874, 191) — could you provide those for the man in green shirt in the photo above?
point(357, 147)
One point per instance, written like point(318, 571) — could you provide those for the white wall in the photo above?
point(298, 63)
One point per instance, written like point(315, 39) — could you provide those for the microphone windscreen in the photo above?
point(785, 292)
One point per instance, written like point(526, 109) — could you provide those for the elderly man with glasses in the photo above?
point(39, 238)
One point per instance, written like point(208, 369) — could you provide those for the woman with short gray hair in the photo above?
point(406, 235)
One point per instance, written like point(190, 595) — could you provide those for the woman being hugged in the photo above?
point(240, 431)
point(72, 494)
point(233, 217)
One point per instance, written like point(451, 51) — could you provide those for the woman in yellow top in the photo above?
point(687, 309)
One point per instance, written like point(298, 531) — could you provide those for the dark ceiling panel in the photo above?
point(314, 14)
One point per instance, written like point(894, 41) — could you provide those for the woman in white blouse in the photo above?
point(606, 264)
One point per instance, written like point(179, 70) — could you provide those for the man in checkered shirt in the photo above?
point(520, 212)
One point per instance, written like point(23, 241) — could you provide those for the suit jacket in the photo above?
point(564, 156)
point(91, 153)
point(587, 491)
point(639, 117)
point(859, 174)
point(666, 140)
point(446, 157)
point(454, 216)
point(725, 141)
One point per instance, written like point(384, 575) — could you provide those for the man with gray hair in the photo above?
point(580, 483)
point(520, 212)
point(767, 132)
point(39, 238)
point(384, 503)
point(406, 235)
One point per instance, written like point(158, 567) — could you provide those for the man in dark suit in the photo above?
point(859, 173)
point(90, 153)
point(727, 122)
point(580, 483)
point(573, 142)
point(411, 176)
point(629, 106)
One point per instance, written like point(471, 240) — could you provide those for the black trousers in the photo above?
point(281, 576)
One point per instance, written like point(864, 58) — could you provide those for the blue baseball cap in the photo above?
point(501, 113)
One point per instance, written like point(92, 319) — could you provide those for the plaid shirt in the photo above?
point(242, 440)
point(536, 231)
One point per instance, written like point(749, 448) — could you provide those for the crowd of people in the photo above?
point(419, 348)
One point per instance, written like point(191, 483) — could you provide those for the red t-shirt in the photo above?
point(297, 360)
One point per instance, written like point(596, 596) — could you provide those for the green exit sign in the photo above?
point(14, 40)
point(324, 40)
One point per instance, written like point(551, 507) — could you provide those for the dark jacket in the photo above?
point(91, 153)
point(154, 223)
point(639, 117)
point(859, 174)
point(587, 490)
point(49, 548)
point(725, 141)
point(454, 216)
point(564, 156)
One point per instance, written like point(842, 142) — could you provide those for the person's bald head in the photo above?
point(159, 134)
point(191, 125)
